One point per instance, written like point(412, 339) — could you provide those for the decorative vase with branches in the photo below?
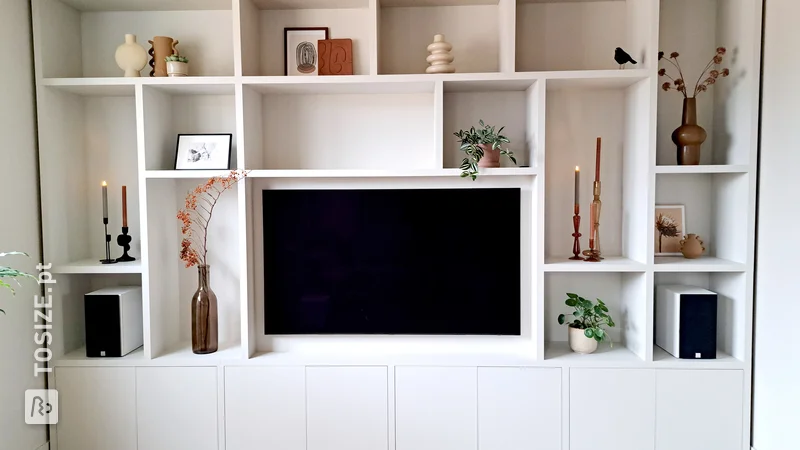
point(12, 274)
point(666, 226)
point(689, 137)
point(483, 147)
point(195, 218)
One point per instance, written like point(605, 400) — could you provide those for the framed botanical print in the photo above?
point(301, 50)
point(670, 226)
point(203, 152)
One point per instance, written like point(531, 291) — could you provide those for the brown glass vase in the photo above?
point(689, 137)
point(204, 315)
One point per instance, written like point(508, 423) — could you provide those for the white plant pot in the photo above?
point(579, 343)
point(177, 69)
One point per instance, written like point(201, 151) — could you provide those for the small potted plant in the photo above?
point(177, 65)
point(587, 327)
point(483, 147)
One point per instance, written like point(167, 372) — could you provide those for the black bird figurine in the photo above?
point(622, 58)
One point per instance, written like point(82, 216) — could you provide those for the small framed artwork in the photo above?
point(203, 152)
point(301, 50)
point(670, 226)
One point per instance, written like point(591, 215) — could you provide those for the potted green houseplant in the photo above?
point(177, 65)
point(483, 147)
point(8, 272)
point(587, 327)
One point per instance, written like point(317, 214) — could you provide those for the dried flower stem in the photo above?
point(196, 216)
point(708, 76)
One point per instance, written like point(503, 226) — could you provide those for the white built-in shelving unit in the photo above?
point(542, 68)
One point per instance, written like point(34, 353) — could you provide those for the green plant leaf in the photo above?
point(589, 333)
point(598, 332)
point(561, 319)
point(571, 302)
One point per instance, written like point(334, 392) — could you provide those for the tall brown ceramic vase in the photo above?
point(689, 137)
point(204, 315)
point(160, 48)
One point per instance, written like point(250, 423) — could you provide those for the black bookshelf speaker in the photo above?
point(113, 321)
point(686, 321)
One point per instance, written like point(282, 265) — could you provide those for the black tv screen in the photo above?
point(423, 262)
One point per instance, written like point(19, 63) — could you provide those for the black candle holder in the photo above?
point(124, 241)
point(108, 259)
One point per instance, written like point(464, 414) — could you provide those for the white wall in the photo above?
point(777, 357)
point(19, 227)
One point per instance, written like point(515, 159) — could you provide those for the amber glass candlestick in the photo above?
point(576, 245)
point(593, 254)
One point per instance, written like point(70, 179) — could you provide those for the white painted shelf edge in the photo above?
point(311, 173)
point(557, 354)
point(93, 266)
point(700, 169)
point(352, 83)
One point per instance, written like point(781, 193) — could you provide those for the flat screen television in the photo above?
point(405, 261)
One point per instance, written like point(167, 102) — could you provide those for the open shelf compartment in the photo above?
point(627, 299)
point(171, 285)
point(715, 210)
point(582, 35)
point(733, 302)
point(513, 105)
point(79, 38)
point(477, 30)
point(170, 111)
point(575, 118)
point(729, 109)
point(327, 130)
point(263, 23)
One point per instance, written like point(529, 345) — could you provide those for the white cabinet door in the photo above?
point(176, 408)
point(699, 409)
point(348, 408)
point(436, 408)
point(97, 408)
point(612, 409)
point(519, 408)
point(271, 400)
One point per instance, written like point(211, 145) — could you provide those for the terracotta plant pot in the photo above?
point(692, 246)
point(689, 137)
point(491, 158)
point(579, 343)
point(177, 69)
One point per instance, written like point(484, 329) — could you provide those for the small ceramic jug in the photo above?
point(692, 246)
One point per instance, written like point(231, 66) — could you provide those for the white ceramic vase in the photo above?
point(131, 57)
point(440, 60)
point(579, 343)
point(177, 69)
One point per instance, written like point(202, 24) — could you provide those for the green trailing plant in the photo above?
point(176, 58)
point(589, 317)
point(472, 139)
point(14, 274)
